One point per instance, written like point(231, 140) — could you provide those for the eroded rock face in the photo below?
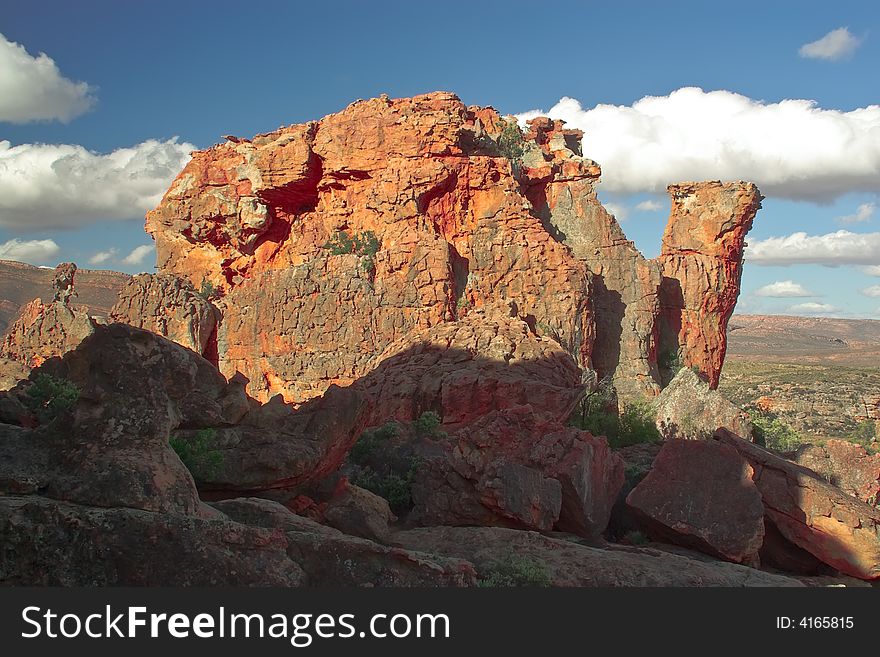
point(513, 469)
point(701, 495)
point(169, 306)
point(465, 370)
point(459, 225)
point(43, 331)
point(816, 516)
point(701, 263)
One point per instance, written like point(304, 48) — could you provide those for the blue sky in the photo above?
point(195, 71)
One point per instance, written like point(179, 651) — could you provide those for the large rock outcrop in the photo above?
point(330, 241)
point(701, 263)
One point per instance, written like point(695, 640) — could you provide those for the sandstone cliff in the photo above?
point(327, 242)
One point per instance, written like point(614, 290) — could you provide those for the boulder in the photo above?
point(813, 514)
point(358, 512)
point(700, 494)
point(847, 465)
point(512, 468)
point(687, 408)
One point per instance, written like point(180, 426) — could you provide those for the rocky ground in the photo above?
point(817, 375)
point(405, 345)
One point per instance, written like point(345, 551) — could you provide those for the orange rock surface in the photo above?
point(464, 215)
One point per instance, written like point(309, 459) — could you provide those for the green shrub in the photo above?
point(515, 571)
point(370, 441)
point(635, 538)
point(199, 454)
point(49, 396)
point(510, 141)
point(670, 361)
point(395, 489)
point(207, 289)
point(427, 423)
point(775, 434)
point(864, 434)
point(362, 244)
point(596, 415)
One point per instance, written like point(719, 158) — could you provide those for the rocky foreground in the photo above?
point(384, 348)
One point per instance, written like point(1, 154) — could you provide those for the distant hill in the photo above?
point(19, 283)
point(818, 340)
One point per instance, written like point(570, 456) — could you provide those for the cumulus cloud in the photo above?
point(792, 149)
point(862, 214)
point(33, 89)
point(783, 289)
point(812, 308)
point(873, 291)
point(31, 251)
point(871, 270)
point(620, 212)
point(66, 186)
point(835, 45)
point(138, 255)
point(840, 248)
point(648, 206)
point(103, 256)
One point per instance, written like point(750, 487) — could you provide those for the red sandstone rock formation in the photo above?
point(463, 216)
point(42, 331)
point(848, 466)
point(701, 261)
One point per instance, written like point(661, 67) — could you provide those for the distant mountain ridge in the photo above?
point(814, 339)
point(20, 283)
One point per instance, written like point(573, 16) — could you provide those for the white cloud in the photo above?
point(33, 89)
point(871, 270)
point(862, 214)
point(791, 149)
point(103, 256)
point(812, 308)
point(648, 206)
point(783, 289)
point(66, 186)
point(837, 44)
point(138, 254)
point(620, 212)
point(873, 291)
point(840, 248)
point(32, 251)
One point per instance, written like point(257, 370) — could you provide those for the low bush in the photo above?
point(199, 454)
point(370, 442)
point(510, 141)
point(49, 396)
point(775, 434)
point(596, 414)
point(515, 571)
